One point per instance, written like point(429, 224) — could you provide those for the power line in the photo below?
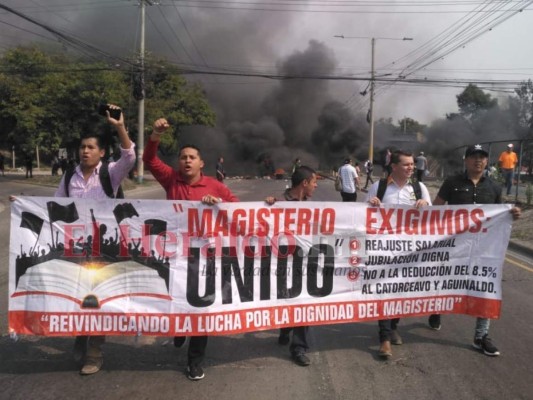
point(76, 43)
point(172, 49)
point(28, 31)
point(190, 36)
point(484, 29)
point(272, 8)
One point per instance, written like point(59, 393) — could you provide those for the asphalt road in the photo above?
point(430, 364)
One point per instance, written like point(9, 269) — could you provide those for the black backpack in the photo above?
point(105, 180)
point(382, 187)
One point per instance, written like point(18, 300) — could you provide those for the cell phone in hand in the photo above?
point(113, 112)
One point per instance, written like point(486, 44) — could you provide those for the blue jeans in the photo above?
point(508, 174)
point(482, 327)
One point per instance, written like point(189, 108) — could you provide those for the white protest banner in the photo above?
point(127, 267)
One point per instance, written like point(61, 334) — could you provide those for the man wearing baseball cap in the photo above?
point(508, 161)
point(472, 187)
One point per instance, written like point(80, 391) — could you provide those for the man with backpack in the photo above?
point(95, 179)
point(397, 189)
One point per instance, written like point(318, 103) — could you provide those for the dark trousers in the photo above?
point(299, 339)
point(420, 174)
point(368, 179)
point(90, 341)
point(196, 351)
point(508, 175)
point(349, 196)
point(385, 328)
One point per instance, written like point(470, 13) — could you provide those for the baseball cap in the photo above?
point(510, 145)
point(474, 150)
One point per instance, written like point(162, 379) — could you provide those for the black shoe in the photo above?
point(301, 359)
point(485, 345)
point(179, 341)
point(195, 372)
point(284, 338)
point(434, 322)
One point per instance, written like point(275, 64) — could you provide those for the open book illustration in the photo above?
point(92, 284)
point(99, 247)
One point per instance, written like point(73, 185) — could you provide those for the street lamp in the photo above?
point(372, 83)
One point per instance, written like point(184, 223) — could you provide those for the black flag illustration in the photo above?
point(123, 211)
point(155, 226)
point(31, 221)
point(57, 212)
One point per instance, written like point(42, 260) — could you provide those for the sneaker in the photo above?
point(434, 322)
point(179, 340)
point(395, 338)
point(284, 338)
point(301, 359)
point(195, 372)
point(385, 350)
point(485, 345)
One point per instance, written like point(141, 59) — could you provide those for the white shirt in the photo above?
point(395, 195)
point(348, 175)
point(421, 162)
point(367, 165)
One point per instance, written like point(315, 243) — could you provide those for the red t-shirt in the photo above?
point(174, 185)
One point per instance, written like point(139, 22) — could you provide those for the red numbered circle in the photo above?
point(354, 260)
point(353, 274)
point(354, 244)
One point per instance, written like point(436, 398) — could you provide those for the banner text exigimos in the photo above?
point(126, 267)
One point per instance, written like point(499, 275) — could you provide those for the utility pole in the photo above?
point(140, 114)
point(372, 82)
point(372, 85)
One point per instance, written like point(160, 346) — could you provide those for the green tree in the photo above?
point(169, 95)
point(521, 112)
point(473, 101)
point(409, 125)
point(523, 105)
point(50, 100)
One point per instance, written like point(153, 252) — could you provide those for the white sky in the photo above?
point(258, 40)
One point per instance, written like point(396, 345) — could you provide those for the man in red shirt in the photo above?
point(187, 183)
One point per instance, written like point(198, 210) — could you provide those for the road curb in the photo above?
point(520, 248)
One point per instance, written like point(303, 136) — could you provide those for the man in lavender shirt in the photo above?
point(85, 183)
